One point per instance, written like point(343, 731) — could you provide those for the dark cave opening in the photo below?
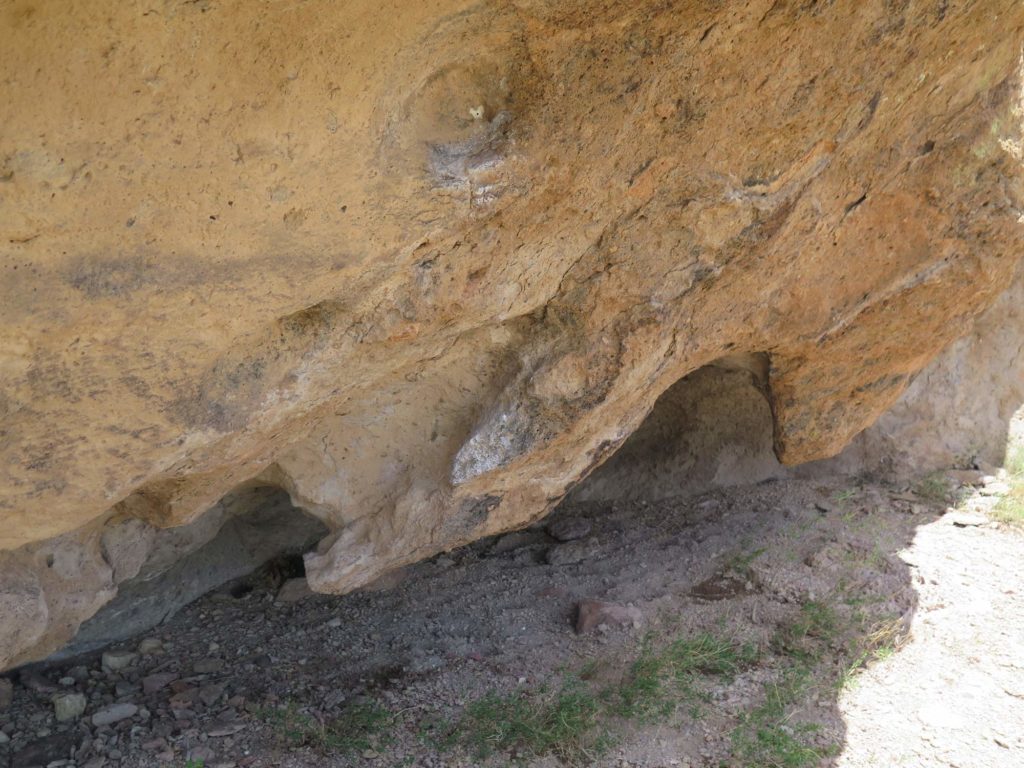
point(711, 429)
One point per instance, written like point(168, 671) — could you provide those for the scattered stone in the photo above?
point(184, 699)
point(124, 688)
point(998, 488)
point(6, 693)
point(966, 476)
point(201, 754)
point(114, 713)
point(36, 682)
point(965, 519)
point(985, 468)
point(154, 745)
point(572, 552)
point(569, 528)
point(552, 592)
point(721, 587)
point(46, 750)
point(208, 666)
point(386, 581)
point(221, 729)
point(513, 541)
point(153, 683)
point(115, 661)
point(294, 590)
point(209, 694)
point(591, 614)
point(334, 623)
point(80, 673)
point(68, 706)
point(150, 646)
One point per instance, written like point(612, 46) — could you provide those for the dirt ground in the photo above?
point(792, 623)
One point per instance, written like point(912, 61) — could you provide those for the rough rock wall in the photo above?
point(713, 428)
point(958, 410)
point(425, 265)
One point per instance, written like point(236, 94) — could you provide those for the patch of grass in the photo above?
point(1010, 508)
point(767, 738)
point(575, 722)
point(658, 681)
point(1015, 460)
point(845, 495)
point(740, 563)
point(565, 724)
point(804, 637)
point(933, 487)
point(357, 728)
point(878, 644)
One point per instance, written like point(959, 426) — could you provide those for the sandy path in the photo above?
point(954, 694)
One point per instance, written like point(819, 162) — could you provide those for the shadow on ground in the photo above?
point(754, 608)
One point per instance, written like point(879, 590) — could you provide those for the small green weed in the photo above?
point(740, 563)
point(766, 737)
point(878, 644)
point(574, 723)
point(845, 495)
point(565, 724)
point(358, 727)
point(933, 487)
point(801, 638)
point(1010, 508)
point(1015, 460)
point(659, 680)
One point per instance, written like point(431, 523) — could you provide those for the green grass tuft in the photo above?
point(357, 728)
point(805, 636)
point(564, 724)
point(1010, 508)
point(575, 723)
point(934, 487)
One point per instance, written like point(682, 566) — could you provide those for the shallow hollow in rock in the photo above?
point(271, 528)
point(712, 428)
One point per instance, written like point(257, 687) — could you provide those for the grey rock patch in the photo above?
point(208, 666)
point(114, 713)
point(294, 590)
point(268, 526)
point(593, 614)
point(68, 706)
point(569, 528)
point(573, 552)
point(115, 661)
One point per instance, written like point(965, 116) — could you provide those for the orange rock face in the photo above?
point(425, 265)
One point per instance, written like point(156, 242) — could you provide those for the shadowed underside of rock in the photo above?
point(425, 266)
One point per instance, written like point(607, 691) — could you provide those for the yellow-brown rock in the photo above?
point(425, 264)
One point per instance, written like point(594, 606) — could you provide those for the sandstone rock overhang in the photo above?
point(425, 266)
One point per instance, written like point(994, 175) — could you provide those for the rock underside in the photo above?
point(425, 267)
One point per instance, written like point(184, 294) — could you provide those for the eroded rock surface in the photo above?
point(424, 266)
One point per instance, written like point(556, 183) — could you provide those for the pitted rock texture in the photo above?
point(958, 411)
point(426, 265)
